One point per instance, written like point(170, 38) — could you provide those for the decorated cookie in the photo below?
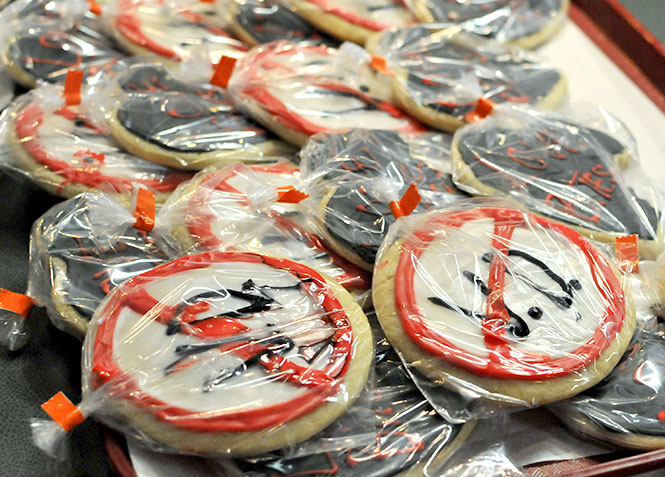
point(409, 438)
point(247, 354)
point(353, 20)
point(515, 308)
point(354, 176)
point(173, 32)
point(297, 91)
point(441, 74)
point(82, 249)
point(187, 126)
point(62, 151)
point(263, 21)
point(47, 50)
point(563, 170)
point(524, 23)
point(235, 208)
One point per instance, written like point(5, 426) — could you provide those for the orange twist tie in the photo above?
point(145, 210)
point(63, 411)
point(407, 203)
point(380, 65)
point(16, 302)
point(94, 7)
point(483, 109)
point(628, 253)
point(290, 195)
point(223, 71)
point(73, 82)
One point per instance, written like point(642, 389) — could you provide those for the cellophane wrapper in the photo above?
point(237, 207)
point(576, 173)
point(66, 151)
point(80, 250)
point(353, 177)
point(493, 309)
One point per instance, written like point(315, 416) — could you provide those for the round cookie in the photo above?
point(441, 74)
point(214, 212)
point(186, 126)
point(248, 354)
point(520, 309)
point(353, 20)
point(173, 32)
point(77, 258)
point(263, 21)
point(60, 150)
point(297, 91)
point(626, 408)
point(565, 172)
point(350, 176)
point(526, 24)
point(47, 50)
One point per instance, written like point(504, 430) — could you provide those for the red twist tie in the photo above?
point(16, 302)
point(290, 195)
point(223, 71)
point(73, 82)
point(63, 411)
point(380, 65)
point(628, 253)
point(483, 109)
point(407, 204)
point(145, 210)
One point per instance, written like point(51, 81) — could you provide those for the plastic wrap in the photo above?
point(353, 177)
point(224, 354)
point(62, 150)
point(6, 88)
point(297, 91)
point(503, 308)
point(14, 312)
point(525, 23)
point(181, 123)
point(263, 21)
point(561, 169)
point(353, 20)
point(441, 73)
point(172, 30)
point(237, 208)
point(80, 250)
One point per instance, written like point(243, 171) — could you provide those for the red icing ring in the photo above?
point(505, 362)
point(351, 17)
point(105, 371)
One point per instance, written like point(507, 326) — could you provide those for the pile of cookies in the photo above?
point(328, 236)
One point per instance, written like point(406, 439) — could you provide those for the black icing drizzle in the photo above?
point(537, 162)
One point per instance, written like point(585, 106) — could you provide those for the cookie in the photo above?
point(79, 253)
point(441, 74)
point(562, 170)
point(518, 308)
point(216, 212)
point(526, 24)
point(409, 438)
point(249, 354)
point(626, 409)
point(298, 91)
point(173, 32)
point(263, 21)
point(353, 20)
point(63, 152)
point(186, 126)
point(351, 175)
point(47, 50)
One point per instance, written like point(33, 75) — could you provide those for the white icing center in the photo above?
point(558, 332)
point(143, 350)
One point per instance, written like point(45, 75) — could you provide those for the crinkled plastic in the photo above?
point(441, 73)
point(298, 91)
point(525, 23)
point(6, 88)
point(503, 308)
point(63, 150)
point(237, 208)
point(578, 174)
point(166, 118)
point(353, 20)
point(39, 48)
point(80, 250)
point(173, 30)
point(225, 354)
point(263, 21)
point(353, 177)
point(13, 330)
